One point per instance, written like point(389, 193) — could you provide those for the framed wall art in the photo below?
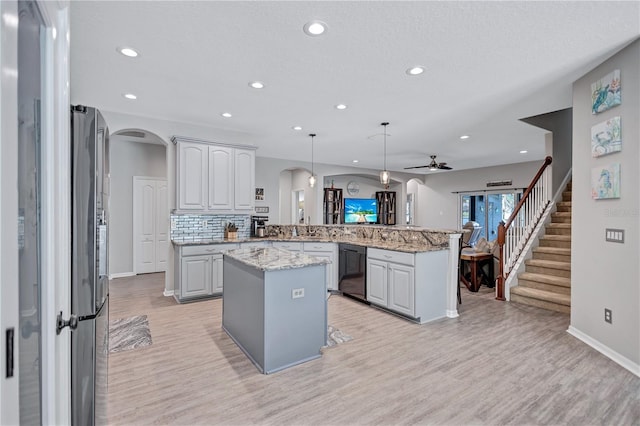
point(606, 137)
point(606, 92)
point(605, 182)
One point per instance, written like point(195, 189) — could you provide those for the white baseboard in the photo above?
point(168, 293)
point(605, 350)
point(121, 275)
point(452, 313)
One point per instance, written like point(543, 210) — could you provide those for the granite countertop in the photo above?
point(204, 241)
point(273, 259)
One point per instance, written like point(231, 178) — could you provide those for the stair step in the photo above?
point(558, 228)
point(544, 282)
point(563, 206)
point(548, 267)
point(559, 241)
point(566, 196)
point(552, 253)
point(562, 217)
point(541, 299)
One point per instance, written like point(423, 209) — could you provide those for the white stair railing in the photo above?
point(514, 234)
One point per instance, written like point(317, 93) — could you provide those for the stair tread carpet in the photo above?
point(556, 237)
point(562, 225)
point(551, 264)
point(544, 278)
point(552, 250)
point(547, 296)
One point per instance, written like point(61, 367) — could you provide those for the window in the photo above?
point(488, 209)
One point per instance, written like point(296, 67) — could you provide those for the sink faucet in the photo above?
point(309, 226)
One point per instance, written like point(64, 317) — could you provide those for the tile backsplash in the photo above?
point(207, 226)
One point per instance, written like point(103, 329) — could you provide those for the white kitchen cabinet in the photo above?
point(192, 175)
point(244, 179)
point(401, 289)
point(291, 246)
point(412, 284)
point(255, 244)
point(195, 277)
point(214, 177)
point(377, 278)
point(325, 251)
point(220, 183)
point(198, 271)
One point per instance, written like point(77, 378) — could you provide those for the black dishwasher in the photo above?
point(352, 265)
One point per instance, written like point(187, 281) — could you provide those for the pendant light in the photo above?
point(312, 178)
point(384, 174)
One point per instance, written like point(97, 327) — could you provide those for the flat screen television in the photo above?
point(360, 210)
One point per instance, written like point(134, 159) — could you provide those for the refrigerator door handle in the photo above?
point(72, 323)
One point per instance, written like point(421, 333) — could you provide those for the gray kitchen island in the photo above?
point(274, 306)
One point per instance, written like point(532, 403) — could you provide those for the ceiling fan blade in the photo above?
point(416, 167)
point(443, 167)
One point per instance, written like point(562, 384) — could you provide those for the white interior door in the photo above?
point(34, 168)
point(150, 224)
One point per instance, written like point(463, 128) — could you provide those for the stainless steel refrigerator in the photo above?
point(89, 265)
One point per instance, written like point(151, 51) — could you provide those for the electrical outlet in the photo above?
point(297, 293)
point(607, 316)
point(204, 223)
point(173, 224)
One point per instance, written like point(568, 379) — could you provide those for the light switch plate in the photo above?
point(614, 235)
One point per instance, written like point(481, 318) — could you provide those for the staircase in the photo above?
point(546, 282)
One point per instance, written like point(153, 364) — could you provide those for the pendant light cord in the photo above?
point(385, 124)
point(312, 136)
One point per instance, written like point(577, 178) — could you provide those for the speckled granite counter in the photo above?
point(273, 259)
point(399, 238)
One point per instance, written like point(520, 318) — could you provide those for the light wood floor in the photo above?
point(498, 363)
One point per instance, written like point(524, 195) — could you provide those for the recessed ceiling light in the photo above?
point(341, 106)
point(226, 114)
point(128, 51)
point(314, 28)
point(524, 151)
point(129, 96)
point(464, 137)
point(256, 84)
point(297, 128)
point(355, 161)
point(417, 70)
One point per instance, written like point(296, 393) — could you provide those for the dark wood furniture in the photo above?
point(332, 206)
point(476, 261)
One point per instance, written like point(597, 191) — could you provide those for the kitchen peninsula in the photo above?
point(430, 289)
point(275, 306)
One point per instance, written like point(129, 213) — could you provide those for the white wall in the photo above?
point(272, 172)
point(605, 274)
point(436, 202)
point(129, 159)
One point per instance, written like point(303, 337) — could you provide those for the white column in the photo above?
point(453, 280)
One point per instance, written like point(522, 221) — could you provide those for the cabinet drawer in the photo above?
point(293, 246)
point(392, 256)
point(310, 246)
point(197, 250)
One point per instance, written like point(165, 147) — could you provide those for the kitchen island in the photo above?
point(275, 306)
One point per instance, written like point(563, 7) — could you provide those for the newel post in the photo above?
point(501, 239)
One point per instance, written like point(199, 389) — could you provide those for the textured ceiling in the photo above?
point(488, 64)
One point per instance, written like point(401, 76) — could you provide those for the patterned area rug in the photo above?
point(129, 333)
point(335, 336)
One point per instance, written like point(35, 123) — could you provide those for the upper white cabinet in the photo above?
point(213, 177)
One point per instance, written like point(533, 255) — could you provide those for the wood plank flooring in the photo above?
point(498, 363)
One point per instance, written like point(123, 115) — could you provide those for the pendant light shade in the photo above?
point(385, 176)
point(312, 178)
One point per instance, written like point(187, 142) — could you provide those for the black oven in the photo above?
point(352, 265)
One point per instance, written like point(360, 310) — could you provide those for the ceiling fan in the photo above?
point(433, 165)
